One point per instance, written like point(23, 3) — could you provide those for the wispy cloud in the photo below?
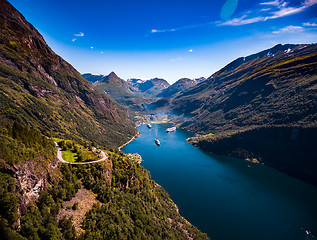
point(176, 59)
point(290, 29)
point(265, 9)
point(79, 34)
point(275, 9)
point(281, 10)
point(181, 28)
point(242, 21)
point(308, 24)
point(274, 3)
point(162, 30)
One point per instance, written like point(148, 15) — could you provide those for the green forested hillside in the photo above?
point(33, 187)
point(134, 206)
point(274, 87)
point(271, 95)
point(38, 88)
point(42, 96)
point(119, 90)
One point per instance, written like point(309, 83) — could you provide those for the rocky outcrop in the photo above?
point(32, 178)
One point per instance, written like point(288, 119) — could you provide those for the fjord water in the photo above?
point(227, 198)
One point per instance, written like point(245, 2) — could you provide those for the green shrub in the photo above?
point(75, 206)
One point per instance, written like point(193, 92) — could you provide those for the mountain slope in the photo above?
point(179, 86)
point(119, 90)
point(92, 78)
point(271, 95)
point(35, 188)
point(40, 89)
point(135, 94)
point(151, 88)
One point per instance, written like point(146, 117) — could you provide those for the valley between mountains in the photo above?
point(261, 108)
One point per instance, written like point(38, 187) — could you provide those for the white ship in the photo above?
point(149, 125)
point(172, 129)
point(157, 142)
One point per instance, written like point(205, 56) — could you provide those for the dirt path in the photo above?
point(60, 157)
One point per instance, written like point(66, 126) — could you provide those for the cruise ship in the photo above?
point(172, 129)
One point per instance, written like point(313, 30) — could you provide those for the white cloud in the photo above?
point(274, 3)
point(282, 11)
point(285, 12)
point(309, 3)
point(265, 9)
point(79, 34)
point(92, 47)
point(74, 39)
point(308, 24)
point(242, 21)
point(190, 50)
point(290, 29)
point(163, 30)
point(182, 28)
point(176, 59)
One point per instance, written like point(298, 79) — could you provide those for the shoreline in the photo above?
point(134, 137)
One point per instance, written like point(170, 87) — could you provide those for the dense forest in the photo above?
point(131, 205)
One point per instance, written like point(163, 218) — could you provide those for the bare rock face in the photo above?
point(32, 178)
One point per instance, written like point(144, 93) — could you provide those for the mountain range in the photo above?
point(179, 86)
point(262, 106)
point(41, 97)
point(142, 88)
point(120, 90)
point(136, 94)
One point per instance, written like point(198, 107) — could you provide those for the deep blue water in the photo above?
point(227, 198)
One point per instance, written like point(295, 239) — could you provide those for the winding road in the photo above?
point(60, 157)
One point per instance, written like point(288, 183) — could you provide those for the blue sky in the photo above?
point(169, 39)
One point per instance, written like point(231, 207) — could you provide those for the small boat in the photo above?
point(149, 125)
point(172, 129)
point(157, 142)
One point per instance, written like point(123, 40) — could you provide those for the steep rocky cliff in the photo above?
point(39, 88)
